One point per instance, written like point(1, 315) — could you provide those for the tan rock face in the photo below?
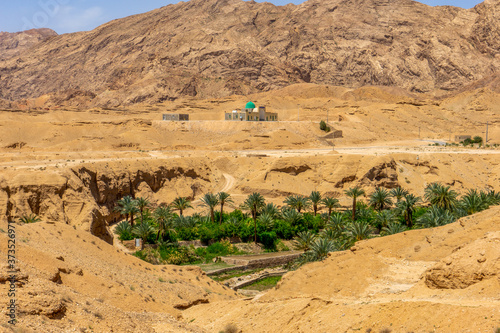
point(85, 196)
point(469, 265)
point(219, 48)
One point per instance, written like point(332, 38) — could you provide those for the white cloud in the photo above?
point(72, 19)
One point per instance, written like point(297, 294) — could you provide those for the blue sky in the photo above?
point(66, 16)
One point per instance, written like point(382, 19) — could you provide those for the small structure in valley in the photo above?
point(251, 113)
point(175, 117)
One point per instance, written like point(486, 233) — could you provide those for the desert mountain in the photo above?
point(13, 44)
point(217, 48)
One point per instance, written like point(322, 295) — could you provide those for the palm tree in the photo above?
point(210, 200)
point(321, 247)
point(359, 231)
point(163, 216)
point(330, 203)
point(122, 206)
point(315, 199)
point(393, 228)
point(435, 217)
point(398, 193)
point(493, 198)
point(384, 218)
point(297, 202)
point(292, 216)
point(271, 210)
point(354, 193)
point(254, 203)
point(185, 222)
point(124, 230)
point(380, 199)
point(143, 231)
point(441, 196)
point(181, 204)
point(266, 220)
point(336, 221)
point(407, 208)
point(142, 203)
point(223, 199)
point(132, 209)
point(473, 202)
point(303, 240)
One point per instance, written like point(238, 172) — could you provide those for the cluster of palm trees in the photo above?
point(393, 212)
point(385, 212)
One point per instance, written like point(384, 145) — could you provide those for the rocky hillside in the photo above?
point(214, 48)
point(14, 44)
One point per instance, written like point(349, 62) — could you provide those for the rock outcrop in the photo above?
point(86, 195)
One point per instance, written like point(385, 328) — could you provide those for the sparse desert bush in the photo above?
point(231, 328)
point(31, 218)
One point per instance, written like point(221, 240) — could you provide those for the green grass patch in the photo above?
point(264, 284)
point(213, 266)
point(235, 273)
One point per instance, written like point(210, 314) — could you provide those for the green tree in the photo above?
point(407, 207)
point(122, 206)
point(472, 202)
point(292, 216)
point(124, 230)
point(358, 231)
point(336, 221)
point(441, 196)
point(271, 210)
point(315, 199)
point(392, 228)
point(384, 218)
point(266, 221)
point(143, 231)
point(330, 204)
point(435, 217)
point(321, 247)
point(303, 240)
point(254, 203)
point(163, 216)
point(380, 199)
point(354, 193)
point(297, 202)
point(181, 204)
point(210, 200)
point(142, 203)
point(398, 193)
point(224, 198)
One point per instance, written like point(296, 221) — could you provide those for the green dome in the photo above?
point(250, 105)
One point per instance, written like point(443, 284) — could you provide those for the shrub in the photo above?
point(268, 239)
point(283, 229)
point(322, 125)
point(187, 234)
point(477, 139)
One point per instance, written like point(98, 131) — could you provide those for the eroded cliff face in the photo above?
point(85, 195)
point(213, 48)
